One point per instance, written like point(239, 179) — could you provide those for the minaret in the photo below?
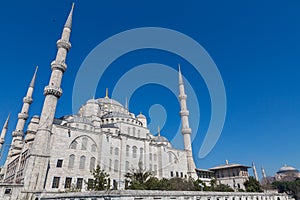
point(263, 173)
point(38, 162)
point(185, 130)
point(17, 140)
point(3, 133)
point(254, 171)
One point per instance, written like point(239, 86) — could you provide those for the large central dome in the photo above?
point(107, 100)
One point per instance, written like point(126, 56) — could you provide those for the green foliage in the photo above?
point(138, 177)
point(200, 185)
point(252, 185)
point(221, 188)
point(289, 187)
point(101, 180)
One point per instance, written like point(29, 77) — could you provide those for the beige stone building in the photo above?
point(55, 154)
point(231, 174)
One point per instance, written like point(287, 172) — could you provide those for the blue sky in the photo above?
point(255, 45)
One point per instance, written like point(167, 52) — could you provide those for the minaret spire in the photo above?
point(18, 133)
point(33, 78)
point(68, 23)
point(263, 173)
point(254, 171)
point(3, 132)
point(185, 130)
point(36, 171)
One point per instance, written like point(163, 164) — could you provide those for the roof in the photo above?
point(226, 166)
point(204, 170)
point(109, 101)
point(286, 168)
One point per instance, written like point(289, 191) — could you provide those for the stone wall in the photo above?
point(163, 195)
point(9, 191)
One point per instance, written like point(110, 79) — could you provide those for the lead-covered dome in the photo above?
point(285, 168)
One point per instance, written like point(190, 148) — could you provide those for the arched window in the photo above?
point(134, 151)
point(116, 165)
point(139, 133)
point(150, 156)
point(170, 157)
point(94, 148)
point(73, 145)
point(155, 169)
point(141, 153)
point(111, 150)
point(71, 161)
point(92, 163)
point(128, 130)
point(110, 163)
point(116, 151)
point(155, 157)
point(127, 166)
point(84, 143)
point(82, 162)
point(127, 150)
point(133, 131)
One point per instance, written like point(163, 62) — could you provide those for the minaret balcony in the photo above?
point(17, 133)
point(186, 131)
point(23, 116)
point(60, 65)
point(184, 113)
point(182, 97)
point(52, 90)
point(63, 44)
point(27, 100)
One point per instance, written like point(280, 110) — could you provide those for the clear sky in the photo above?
point(254, 44)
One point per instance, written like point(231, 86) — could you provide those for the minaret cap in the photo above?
point(68, 23)
point(34, 77)
point(180, 75)
point(5, 127)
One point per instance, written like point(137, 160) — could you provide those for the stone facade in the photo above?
point(55, 154)
point(166, 195)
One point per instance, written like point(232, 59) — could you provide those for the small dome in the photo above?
point(161, 139)
point(141, 116)
point(286, 168)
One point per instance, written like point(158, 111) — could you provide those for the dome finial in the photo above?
point(158, 131)
point(126, 103)
point(106, 94)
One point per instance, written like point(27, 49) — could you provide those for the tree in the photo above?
point(289, 187)
point(221, 188)
point(153, 183)
point(138, 177)
point(252, 185)
point(101, 180)
point(200, 185)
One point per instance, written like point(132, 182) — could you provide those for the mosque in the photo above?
point(55, 154)
point(287, 173)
